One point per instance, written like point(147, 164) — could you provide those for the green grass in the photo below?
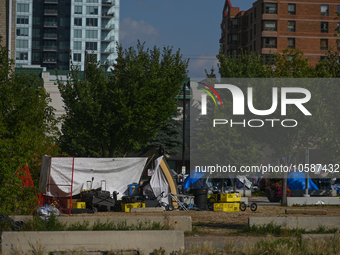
point(37, 224)
point(276, 230)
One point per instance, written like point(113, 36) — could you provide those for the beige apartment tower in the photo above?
point(7, 25)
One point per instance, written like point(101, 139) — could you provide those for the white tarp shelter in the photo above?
point(59, 174)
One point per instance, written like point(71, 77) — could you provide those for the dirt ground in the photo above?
point(230, 223)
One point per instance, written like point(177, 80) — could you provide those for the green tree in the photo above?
point(120, 112)
point(285, 143)
point(27, 131)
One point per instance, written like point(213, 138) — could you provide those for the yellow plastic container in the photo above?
point(126, 207)
point(79, 205)
point(230, 197)
point(226, 207)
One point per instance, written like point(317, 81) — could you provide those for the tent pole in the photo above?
point(71, 188)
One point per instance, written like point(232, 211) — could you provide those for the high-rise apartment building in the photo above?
point(271, 26)
point(50, 32)
point(7, 25)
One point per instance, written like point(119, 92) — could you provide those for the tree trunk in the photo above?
point(284, 189)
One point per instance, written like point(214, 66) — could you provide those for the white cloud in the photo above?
point(130, 31)
point(198, 64)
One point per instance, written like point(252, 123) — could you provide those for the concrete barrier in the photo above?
point(144, 241)
point(312, 200)
point(314, 193)
point(307, 223)
point(176, 222)
point(316, 237)
point(147, 209)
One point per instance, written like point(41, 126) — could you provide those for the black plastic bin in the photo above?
point(200, 198)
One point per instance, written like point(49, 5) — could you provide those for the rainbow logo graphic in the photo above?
point(209, 93)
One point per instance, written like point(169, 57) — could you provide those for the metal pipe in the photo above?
point(9, 39)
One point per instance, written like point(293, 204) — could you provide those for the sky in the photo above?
point(193, 26)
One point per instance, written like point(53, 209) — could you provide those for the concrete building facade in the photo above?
point(52, 33)
point(7, 25)
point(271, 26)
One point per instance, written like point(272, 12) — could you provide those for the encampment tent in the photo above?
point(296, 181)
point(68, 176)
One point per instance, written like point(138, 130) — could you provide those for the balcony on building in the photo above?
point(50, 36)
point(50, 60)
point(107, 62)
point(51, 1)
point(108, 2)
point(108, 26)
point(49, 12)
point(107, 37)
point(108, 15)
point(50, 24)
point(107, 48)
point(50, 48)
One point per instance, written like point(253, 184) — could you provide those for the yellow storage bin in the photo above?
point(226, 207)
point(126, 207)
point(79, 205)
point(230, 197)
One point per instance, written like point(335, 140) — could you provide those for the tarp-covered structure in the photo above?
point(296, 181)
point(60, 175)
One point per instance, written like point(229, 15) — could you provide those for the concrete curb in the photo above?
point(147, 210)
point(144, 241)
point(312, 201)
point(176, 222)
point(307, 223)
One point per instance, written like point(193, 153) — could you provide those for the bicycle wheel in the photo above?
point(210, 204)
point(243, 206)
point(170, 208)
point(253, 207)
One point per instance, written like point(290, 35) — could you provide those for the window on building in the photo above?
point(77, 45)
point(77, 57)
point(92, 10)
point(91, 45)
point(254, 13)
point(91, 22)
point(36, 20)
point(338, 45)
point(324, 10)
point(35, 57)
point(22, 31)
point(234, 23)
point(63, 57)
point(251, 18)
point(35, 45)
point(91, 1)
point(64, 22)
point(232, 38)
point(269, 42)
point(251, 34)
point(78, 9)
point(64, 45)
point(78, 1)
point(270, 8)
point(21, 55)
point(291, 26)
point(92, 34)
point(291, 43)
point(338, 10)
point(77, 33)
point(254, 46)
point(324, 44)
point(22, 7)
point(77, 22)
point(21, 44)
point(269, 25)
point(22, 20)
point(36, 32)
point(324, 27)
point(292, 9)
point(254, 29)
point(323, 57)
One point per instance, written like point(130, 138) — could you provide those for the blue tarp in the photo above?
point(195, 180)
point(296, 181)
